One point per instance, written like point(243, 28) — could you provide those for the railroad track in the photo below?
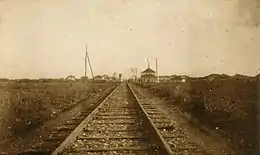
point(59, 133)
point(126, 124)
point(117, 126)
point(176, 139)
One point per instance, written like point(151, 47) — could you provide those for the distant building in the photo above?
point(179, 79)
point(184, 78)
point(71, 78)
point(105, 77)
point(164, 78)
point(99, 78)
point(148, 75)
point(84, 79)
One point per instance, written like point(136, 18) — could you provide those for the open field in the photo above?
point(27, 105)
point(224, 104)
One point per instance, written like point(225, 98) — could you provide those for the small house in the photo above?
point(148, 75)
point(99, 78)
point(164, 79)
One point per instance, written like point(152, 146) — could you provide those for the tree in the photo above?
point(114, 74)
point(134, 71)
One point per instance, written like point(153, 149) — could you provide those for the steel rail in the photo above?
point(72, 137)
point(156, 138)
point(165, 148)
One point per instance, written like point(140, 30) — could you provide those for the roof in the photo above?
point(104, 75)
point(148, 70)
point(98, 76)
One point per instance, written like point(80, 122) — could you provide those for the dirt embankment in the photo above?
point(226, 105)
point(25, 106)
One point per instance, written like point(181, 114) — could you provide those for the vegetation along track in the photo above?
point(61, 131)
point(176, 139)
point(122, 124)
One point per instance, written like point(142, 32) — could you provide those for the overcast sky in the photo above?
point(47, 38)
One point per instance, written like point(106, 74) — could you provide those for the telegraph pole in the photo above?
point(87, 56)
point(86, 68)
point(157, 79)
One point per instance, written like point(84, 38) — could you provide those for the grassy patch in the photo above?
point(25, 106)
point(226, 104)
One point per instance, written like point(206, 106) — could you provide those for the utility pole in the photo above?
point(157, 80)
point(136, 72)
point(87, 56)
point(86, 68)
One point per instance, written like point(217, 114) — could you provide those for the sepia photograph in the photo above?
point(129, 77)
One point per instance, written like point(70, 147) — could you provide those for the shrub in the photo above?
point(26, 112)
point(195, 107)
